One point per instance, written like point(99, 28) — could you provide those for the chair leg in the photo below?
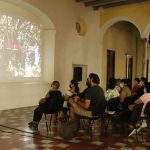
point(46, 122)
point(50, 121)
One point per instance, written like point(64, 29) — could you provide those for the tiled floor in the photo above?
point(15, 135)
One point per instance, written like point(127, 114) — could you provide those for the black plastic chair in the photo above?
point(147, 110)
point(98, 113)
point(132, 118)
point(57, 105)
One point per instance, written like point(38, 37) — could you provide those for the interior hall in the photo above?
point(42, 41)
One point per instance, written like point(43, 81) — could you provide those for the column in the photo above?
point(144, 65)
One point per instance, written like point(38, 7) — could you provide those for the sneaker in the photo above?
point(139, 129)
point(144, 124)
point(132, 132)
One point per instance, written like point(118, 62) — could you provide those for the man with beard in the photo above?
point(93, 101)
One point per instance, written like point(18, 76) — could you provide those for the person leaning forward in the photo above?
point(93, 97)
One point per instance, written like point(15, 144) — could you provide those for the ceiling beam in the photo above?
point(102, 2)
point(118, 4)
point(83, 1)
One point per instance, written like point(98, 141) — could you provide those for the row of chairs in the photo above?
point(107, 118)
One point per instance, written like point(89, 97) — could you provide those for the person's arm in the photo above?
point(48, 94)
point(138, 101)
point(122, 95)
point(43, 100)
point(85, 104)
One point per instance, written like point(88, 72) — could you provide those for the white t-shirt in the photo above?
point(69, 93)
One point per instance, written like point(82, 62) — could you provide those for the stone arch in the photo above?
point(147, 31)
point(109, 23)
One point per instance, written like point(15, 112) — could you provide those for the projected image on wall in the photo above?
point(20, 55)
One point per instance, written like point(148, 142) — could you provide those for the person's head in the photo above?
point(73, 83)
point(125, 82)
point(118, 80)
point(137, 81)
point(111, 83)
point(143, 81)
point(147, 87)
point(93, 79)
point(74, 86)
point(55, 85)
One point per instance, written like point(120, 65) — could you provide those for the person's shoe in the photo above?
point(33, 124)
point(139, 129)
point(132, 132)
point(144, 124)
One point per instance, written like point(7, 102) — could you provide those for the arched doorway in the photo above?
point(124, 40)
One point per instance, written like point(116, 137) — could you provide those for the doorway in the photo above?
point(129, 68)
point(110, 65)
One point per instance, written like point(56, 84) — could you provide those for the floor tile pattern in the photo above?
point(16, 135)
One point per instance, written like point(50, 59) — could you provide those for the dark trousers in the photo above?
point(43, 108)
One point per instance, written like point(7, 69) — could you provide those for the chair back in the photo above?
point(113, 104)
point(55, 102)
point(136, 114)
point(147, 110)
point(99, 109)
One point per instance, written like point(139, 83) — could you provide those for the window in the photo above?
point(20, 49)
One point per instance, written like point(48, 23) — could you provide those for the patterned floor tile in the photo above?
point(47, 145)
point(14, 132)
point(62, 145)
point(140, 148)
point(4, 137)
point(97, 143)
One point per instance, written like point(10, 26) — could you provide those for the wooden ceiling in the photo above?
point(96, 4)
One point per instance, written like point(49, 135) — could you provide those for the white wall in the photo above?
point(14, 95)
point(69, 48)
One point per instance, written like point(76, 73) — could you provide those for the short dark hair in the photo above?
point(111, 83)
point(144, 80)
point(95, 78)
point(127, 82)
point(56, 83)
point(137, 80)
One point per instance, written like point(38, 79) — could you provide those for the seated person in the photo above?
point(112, 92)
point(136, 86)
point(145, 98)
point(140, 91)
point(93, 97)
point(125, 92)
point(48, 104)
point(73, 91)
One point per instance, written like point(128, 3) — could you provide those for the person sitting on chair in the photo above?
point(93, 104)
point(73, 91)
point(145, 98)
point(93, 97)
point(47, 104)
